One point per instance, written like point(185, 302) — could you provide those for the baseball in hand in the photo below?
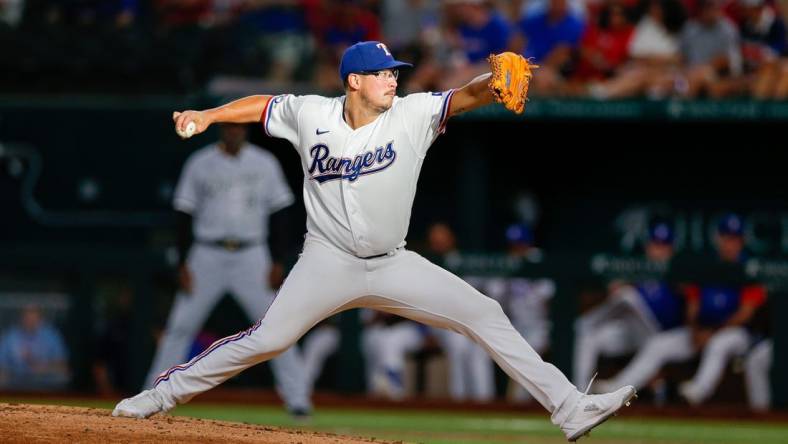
point(188, 132)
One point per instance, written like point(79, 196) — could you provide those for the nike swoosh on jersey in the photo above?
point(319, 132)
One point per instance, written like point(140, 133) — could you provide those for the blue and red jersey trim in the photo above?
point(166, 375)
point(445, 111)
point(267, 113)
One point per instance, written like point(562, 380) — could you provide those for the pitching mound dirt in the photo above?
point(25, 423)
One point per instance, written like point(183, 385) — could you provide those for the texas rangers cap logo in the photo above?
point(368, 56)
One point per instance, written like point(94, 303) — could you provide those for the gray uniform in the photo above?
point(359, 186)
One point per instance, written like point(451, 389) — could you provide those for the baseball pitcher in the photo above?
point(361, 155)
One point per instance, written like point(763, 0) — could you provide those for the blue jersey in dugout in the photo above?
point(666, 306)
point(717, 304)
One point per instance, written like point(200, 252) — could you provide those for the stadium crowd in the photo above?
point(602, 49)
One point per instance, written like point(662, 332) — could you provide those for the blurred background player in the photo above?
point(525, 300)
point(632, 313)
point(727, 313)
point(387, 340)
point(471, 371)
point(717, 313)
point(227, 192)
point(320, 343)
point(520, 243)
point(757, 367)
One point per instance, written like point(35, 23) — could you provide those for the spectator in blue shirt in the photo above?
point(475, 30)
point(550, 38)
point(32, 354)
point(482, 30)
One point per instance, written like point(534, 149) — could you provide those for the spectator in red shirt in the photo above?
point(605, 43)
point(653, 52)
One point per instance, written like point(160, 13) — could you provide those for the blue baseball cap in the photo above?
point(731, 224)
point(368, 56)
point(661, 232)
point(519, 234)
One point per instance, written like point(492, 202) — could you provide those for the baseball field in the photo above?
point(40, 420)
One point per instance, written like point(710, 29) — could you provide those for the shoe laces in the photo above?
point(590, 383)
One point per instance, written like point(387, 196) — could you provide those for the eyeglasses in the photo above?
point(385, 74)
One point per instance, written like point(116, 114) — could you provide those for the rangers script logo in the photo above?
point(325, 168)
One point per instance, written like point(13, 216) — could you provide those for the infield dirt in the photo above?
point(26, 423)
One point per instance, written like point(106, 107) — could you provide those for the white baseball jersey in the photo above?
point(232, 196)
point(385, 155)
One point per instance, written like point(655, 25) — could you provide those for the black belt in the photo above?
point(375, 256)
point(229, 244)
point(389, 253)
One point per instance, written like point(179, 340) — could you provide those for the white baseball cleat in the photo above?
point(141, 406)
point(688, 391)
point(592, 410)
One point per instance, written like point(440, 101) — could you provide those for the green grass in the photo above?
point(436, 427)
